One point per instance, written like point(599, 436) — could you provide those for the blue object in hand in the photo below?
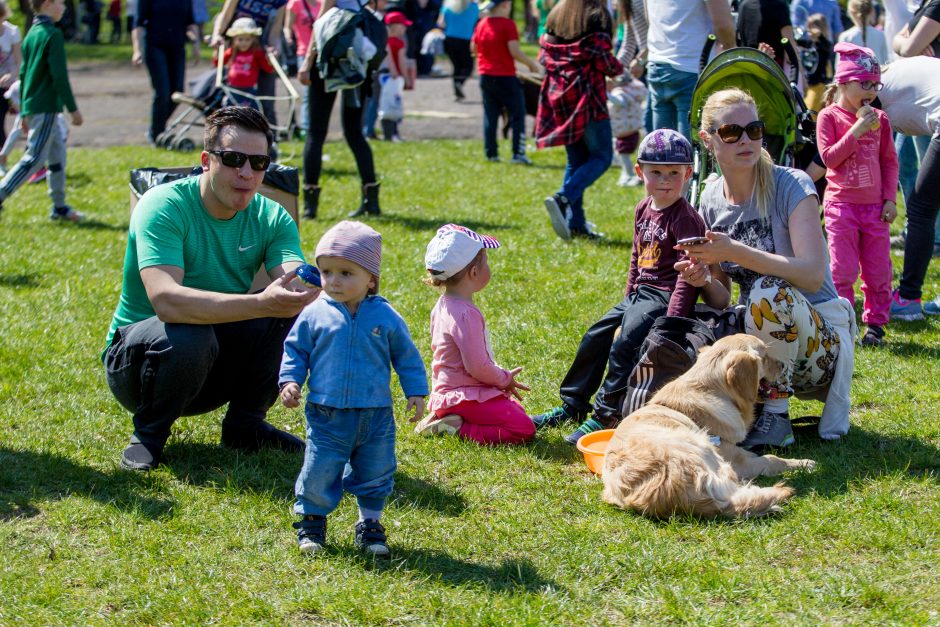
point(309, 275)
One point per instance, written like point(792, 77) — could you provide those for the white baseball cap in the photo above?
point(453, 248)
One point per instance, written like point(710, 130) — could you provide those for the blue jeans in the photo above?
point(911, 151)
point(588, 159)
point(502, 92)
point(671, 97)
point(347, 449)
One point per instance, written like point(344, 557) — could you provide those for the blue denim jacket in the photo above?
point(349, 358)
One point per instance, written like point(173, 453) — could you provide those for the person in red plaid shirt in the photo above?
point(576, 54)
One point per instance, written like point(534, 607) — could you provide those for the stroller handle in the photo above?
point(794, 61)
point(706, 52)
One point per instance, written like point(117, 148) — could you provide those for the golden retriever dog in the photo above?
point(661, 460)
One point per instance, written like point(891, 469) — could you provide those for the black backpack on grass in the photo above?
point(669, 350)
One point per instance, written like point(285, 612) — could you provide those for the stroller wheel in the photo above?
point(184, 144)
point(164, 139)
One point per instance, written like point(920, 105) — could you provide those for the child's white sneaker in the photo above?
point(432, 425)
point(628, 180)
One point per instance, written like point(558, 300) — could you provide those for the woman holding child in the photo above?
point(766, 237)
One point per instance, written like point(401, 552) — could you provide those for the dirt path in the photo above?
point(115, 101)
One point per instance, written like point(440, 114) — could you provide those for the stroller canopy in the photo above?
point(758, 74)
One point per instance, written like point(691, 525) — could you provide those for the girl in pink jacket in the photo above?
point(471, 396)
point(856, 144)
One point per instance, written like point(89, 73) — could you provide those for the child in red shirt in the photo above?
point(496, 46)
point(397, 24)
point(245, 59)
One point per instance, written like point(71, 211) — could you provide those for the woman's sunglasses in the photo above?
point(235, 159)
point(731, 133)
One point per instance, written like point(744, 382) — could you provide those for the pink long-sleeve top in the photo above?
point(861, 171)
point(462, 365)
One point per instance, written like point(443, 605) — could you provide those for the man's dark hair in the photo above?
point(245, 118)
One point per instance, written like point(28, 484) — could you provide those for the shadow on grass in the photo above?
point(215, 466)
point(860, 455)
point(19, 280)
point(419, 493)
point(97, 225)
point(511, 576)
point(911, 349)
point(29, 476)
point(555, 449)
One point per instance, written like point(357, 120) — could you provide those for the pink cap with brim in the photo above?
point(856, 64)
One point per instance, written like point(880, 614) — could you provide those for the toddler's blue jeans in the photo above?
point(347, 449)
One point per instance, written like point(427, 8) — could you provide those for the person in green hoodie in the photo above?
point(45, 90)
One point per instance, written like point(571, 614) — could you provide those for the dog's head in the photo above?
point(747, 367)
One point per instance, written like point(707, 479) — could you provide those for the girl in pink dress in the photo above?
point(471, 396)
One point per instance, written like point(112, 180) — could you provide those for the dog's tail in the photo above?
point(746, 500)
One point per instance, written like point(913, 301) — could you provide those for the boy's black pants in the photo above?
point(599, 351)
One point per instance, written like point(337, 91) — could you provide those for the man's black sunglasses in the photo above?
point(235, 159)
point(731, 133)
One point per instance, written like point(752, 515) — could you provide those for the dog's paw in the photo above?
point(806, 465)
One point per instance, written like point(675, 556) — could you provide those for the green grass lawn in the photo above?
point(479, 535)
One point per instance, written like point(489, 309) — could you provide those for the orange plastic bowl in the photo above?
point(594, 447)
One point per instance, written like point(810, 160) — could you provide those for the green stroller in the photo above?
point(790, 128)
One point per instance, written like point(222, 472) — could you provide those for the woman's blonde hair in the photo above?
point(764, 169)
point(455, 279)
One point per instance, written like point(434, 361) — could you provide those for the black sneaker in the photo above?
point(558, 415)
point(263, 435)
point(370, 538)
point(874, 336)
point(311, 533)
point(139, 456)
point(558, 210)
point(770, 429)
point(588, 426)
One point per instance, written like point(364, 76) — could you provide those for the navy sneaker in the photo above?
point(311, 533)
point(770, 429)
point(66, 214)
point(588, 426)
point(139, 456)
point(370, 538)
point(558, 415)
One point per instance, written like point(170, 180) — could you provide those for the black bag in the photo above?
point(669, 350)
point(374, 29)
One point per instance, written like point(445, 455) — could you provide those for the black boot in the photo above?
point(370, 201)
point(311, 201)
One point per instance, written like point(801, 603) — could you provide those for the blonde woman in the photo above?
point(765, 236)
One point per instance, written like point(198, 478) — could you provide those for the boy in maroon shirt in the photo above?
point(654, 289)
point(495, 43)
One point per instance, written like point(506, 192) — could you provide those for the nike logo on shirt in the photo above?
point(242, 249)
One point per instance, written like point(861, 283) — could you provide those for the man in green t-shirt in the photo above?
point(187, 336)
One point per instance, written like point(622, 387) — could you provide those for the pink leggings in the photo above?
point(500, 420)
point(859, 238)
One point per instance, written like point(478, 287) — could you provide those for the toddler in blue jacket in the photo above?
point(347, 340)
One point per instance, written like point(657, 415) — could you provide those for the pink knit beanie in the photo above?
point(353, 241)
point(856, 64)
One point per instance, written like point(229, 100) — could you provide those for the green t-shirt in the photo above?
point(171, 227)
